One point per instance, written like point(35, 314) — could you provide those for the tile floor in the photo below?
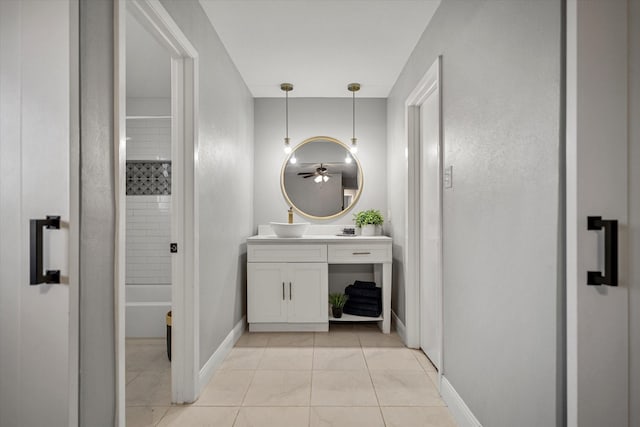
point(351, 376)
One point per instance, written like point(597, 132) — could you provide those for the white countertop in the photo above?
point(328, 238)
point(316, 233)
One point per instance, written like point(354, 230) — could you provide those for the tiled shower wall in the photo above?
point(148, 272)
point(148, 259)
point(150, 139)
point(148, 226)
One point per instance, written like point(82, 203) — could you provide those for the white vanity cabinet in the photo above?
point(288, 279)
point(286, 292)
point(287, 287)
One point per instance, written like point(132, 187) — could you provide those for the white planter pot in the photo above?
point(368, 230)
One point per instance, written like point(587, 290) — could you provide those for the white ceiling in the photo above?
point(320, 45)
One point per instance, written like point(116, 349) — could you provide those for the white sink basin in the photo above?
point(283, 229)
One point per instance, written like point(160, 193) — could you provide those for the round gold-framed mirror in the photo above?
point(321, 178)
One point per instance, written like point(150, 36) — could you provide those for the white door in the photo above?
point(308, 292)
point(430, 227)
point(597, 177)
point(267, 292)
point(38, 360)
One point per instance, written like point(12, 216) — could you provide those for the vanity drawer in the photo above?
point(359, 254)
point(287, 253)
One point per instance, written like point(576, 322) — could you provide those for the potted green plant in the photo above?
point(337, 301)
point(368, 221)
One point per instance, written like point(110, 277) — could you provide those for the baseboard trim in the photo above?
point(458, 408)
point(219, 355)
point(401, 330)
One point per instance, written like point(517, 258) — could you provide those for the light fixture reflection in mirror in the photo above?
point(325, 181)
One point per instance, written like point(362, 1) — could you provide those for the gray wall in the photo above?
point(501, 122)
point(634, 211)
point(225, 178)
point(310, 117)
point(97, 215)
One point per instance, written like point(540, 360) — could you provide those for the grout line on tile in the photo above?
point(373, 385)
point(311, 389)
point(235, 419)
point(166, 410)
point(384, 421)
point(244, 396)
point(313, 358)
point(163, 415)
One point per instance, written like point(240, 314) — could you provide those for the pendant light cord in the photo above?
point(287, 113)
point(354, 113)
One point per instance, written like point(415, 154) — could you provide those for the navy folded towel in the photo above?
point(365, 299)
point(364, 285)
point(363, 306)
point(361, 312)
point(357, 292)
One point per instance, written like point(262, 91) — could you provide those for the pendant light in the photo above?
point(353, 88)
point(287, 87)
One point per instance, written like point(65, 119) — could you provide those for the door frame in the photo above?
point(185, 364)
point(430, 82)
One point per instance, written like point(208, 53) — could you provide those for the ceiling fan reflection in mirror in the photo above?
point(321, 174)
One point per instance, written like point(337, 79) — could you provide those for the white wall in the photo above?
point(225, 178)
point(310, 117)
point(148, 105)
point(148, 63)
point(501, 124)
point(634, 211)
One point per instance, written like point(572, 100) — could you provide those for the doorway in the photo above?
point(425, 172)
point(148, 275)
point(156, 162)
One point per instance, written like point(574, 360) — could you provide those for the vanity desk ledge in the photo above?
point(272, 238)
point(288, 277)
point(316, 233)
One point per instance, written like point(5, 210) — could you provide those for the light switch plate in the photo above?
point(448, 177)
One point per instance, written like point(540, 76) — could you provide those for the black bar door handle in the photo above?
point(35, 251)
point(610, 276)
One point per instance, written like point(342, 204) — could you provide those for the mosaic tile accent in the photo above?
point(148, 178)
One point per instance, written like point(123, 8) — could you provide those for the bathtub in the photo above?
point(146, 308)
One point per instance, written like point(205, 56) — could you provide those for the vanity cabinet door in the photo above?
point(308, 292)
point(267, 292)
